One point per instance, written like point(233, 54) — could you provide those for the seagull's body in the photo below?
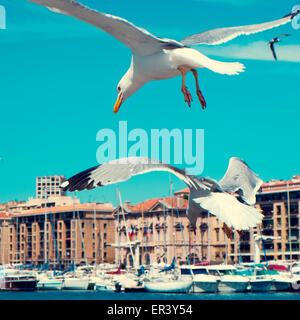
point(208, 194)
point(155, 58)
point(165, 64)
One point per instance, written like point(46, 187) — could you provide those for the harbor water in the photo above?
point(143, 296)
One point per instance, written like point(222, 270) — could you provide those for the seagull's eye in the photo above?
point(119, 89)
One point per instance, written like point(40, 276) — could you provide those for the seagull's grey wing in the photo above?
point(241, 179)
point(120, 170)
point(221, 35)
point(137, 39)
point(272, 47)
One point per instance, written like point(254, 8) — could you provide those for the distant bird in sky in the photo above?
point(218, 198)
point(156, 58)
point(275, 40)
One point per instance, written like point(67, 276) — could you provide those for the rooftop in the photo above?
point(78, 207)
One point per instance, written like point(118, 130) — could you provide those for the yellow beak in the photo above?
point(118, 103)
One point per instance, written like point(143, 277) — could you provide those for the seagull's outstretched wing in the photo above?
point(121, 170)
point(221, 35)
point(229, 210)
point(137, 39)
point(272, 47)
point(241, 179)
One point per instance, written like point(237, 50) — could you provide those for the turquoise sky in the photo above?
point(58, 87)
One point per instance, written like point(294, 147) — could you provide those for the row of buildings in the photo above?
point(57, 229)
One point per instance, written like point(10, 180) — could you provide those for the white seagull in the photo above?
point(218, 198)
point(156, 58)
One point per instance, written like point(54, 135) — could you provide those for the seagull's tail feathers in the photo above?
point(194, 58)
point(230, 211)
point(230, 68)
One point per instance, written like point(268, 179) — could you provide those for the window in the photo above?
point(217, 235)
point(278, 207)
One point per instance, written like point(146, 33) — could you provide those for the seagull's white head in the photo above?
point(126, 88)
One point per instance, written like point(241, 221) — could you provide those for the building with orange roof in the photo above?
point(157, 230)
point(62, 234)
point(60, 230)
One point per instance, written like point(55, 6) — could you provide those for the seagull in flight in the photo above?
point(231, 199)
point(275, 40)
point(155, 58)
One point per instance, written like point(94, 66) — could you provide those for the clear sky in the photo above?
point(58, 87)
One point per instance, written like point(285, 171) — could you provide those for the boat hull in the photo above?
point(75, 284)
point(233, 283)
point(281, 286)
point(204, 286)
point(18, 285)
point(260, 285)
point(169, 286)
point(50, 285)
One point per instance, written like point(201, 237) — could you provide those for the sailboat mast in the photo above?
point(95, 235)
point(126, 229)
point(82, 240)
point(45, 229)
point(289, 219)
point(172, 217)
point(142, 234)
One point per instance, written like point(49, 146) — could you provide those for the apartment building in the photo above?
point(63, 234)
point(279, 202)
point(5, 220)
point(49, 186)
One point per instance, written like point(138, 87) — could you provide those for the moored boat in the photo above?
point(229, 279)
point(260, 281)
point(75, 283)
point(17, 280)
point(202, 280)
point(170, 286)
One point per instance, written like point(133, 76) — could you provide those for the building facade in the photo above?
point(60, 230)
point(62, 235)
point(49, 186)
point(158, 230)
point(5, 221)
point(279, 201)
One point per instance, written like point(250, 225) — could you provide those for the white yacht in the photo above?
point(229, 280)
point(202, 280)
point(46, 281)
point(260, 280)
point(73, 282)
point(281, 276)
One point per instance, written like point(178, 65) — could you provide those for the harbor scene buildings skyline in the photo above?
point(59, 230)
